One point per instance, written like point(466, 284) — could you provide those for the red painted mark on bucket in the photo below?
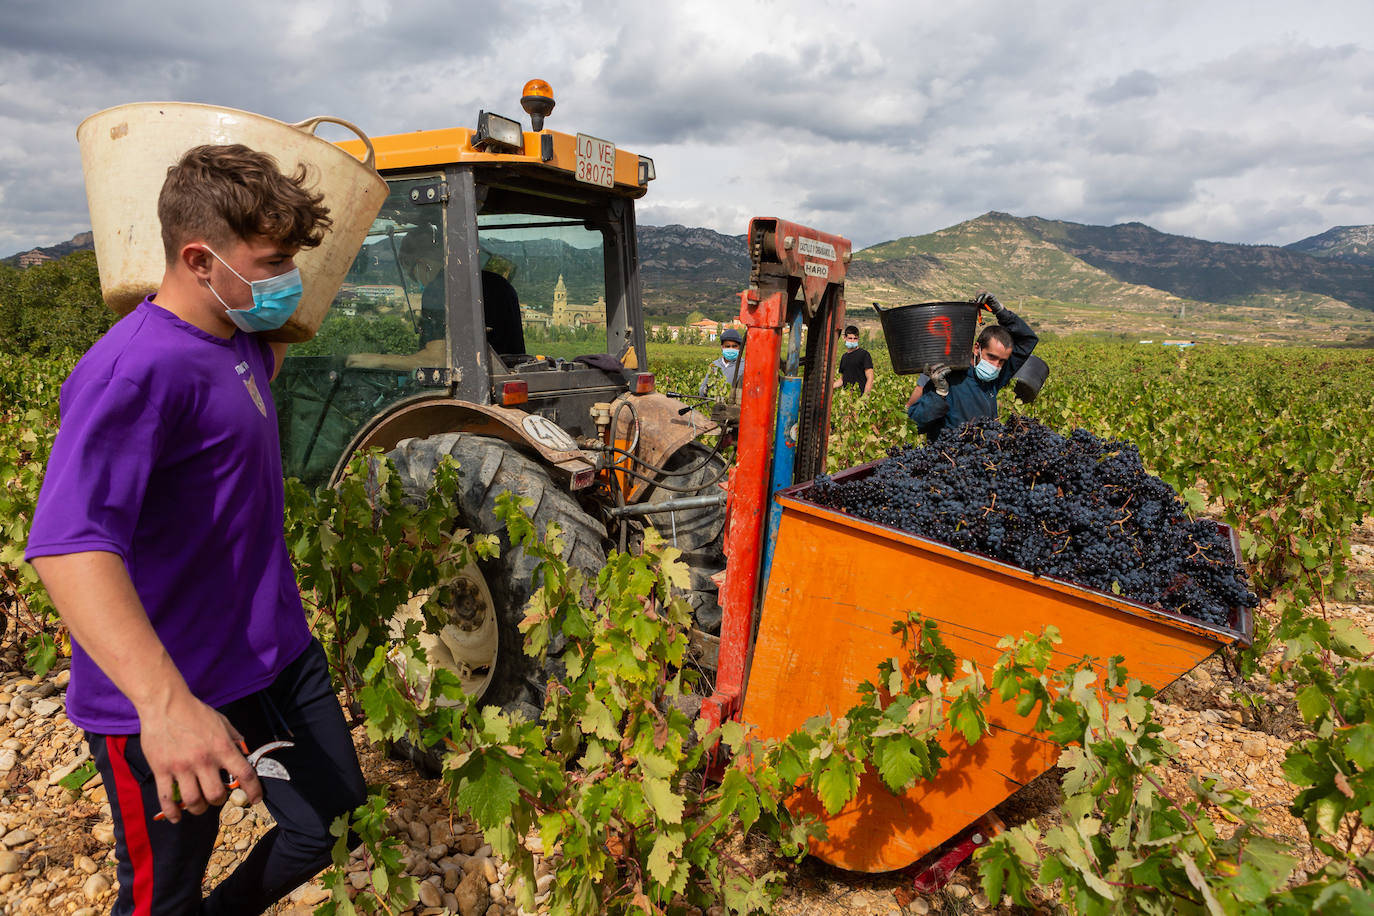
point(941, 326)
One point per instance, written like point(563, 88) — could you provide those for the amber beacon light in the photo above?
point(537, 100)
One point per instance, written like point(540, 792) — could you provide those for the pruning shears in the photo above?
point(263, 765)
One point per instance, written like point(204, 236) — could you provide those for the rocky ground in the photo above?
point(56, 846)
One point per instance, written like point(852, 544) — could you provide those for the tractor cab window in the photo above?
point(387, 321)
point(391, 302)
point(543, 283)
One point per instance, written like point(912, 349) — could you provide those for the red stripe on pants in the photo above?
point(135, 824)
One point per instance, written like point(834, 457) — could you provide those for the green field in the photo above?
point(1277, 442)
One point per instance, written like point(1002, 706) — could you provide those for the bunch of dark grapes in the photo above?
point(1078, 509)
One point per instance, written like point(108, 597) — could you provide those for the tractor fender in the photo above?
point(533, 434)
point(665, 425)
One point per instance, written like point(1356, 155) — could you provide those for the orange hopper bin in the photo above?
point(837, 585)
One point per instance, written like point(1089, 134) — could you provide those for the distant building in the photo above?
point(377, 293)
point(531, 317)
point(709, 329)
point(33, 259)
point(369, 298)
point(566, 314)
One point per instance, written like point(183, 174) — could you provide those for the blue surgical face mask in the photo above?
point(274, 299)
point(729, 354)
point(986, 370)
point(851, 344)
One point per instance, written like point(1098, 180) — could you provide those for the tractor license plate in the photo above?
point(595, 161)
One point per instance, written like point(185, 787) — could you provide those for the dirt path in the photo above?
point(56, 848)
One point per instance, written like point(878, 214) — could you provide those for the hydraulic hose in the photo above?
point(691, 469)
point(654, 480)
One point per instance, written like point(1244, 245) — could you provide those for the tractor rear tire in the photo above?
point(487, 468)
point(698, 533)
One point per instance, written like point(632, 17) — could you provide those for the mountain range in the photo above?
point(1128, 279)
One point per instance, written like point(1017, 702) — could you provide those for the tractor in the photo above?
point(429, 356)
point(489, 238)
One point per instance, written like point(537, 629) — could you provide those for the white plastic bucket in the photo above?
point(125, 154)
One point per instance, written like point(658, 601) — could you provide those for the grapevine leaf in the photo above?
point(657, 765)
point(78, 777)
point(666, 803)
point(490, 794)
point(1348, 640)
point(380, 880)
point(1359, 746)
point(737, 796)
point(836, 783)
point(1327, 812)
point(1196, 879)
point(1312, 703)
point(967, 717)
point(667, 847)
point(40, 653)
point(597, 720)
point(732, 733)
point(1264, 869)
point(901, 760)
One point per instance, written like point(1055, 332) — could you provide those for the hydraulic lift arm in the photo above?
point(797, 282)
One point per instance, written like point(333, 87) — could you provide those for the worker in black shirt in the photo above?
point(856, 365)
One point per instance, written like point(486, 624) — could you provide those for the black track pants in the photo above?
point(161, 865)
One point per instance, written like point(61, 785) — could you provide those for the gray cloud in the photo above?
point(1232, 120)
point(1138, 84)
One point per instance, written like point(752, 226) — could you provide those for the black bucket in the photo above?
point(929, 334)
point(1030, 378)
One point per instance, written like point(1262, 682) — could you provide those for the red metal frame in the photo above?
point(937, 874)
point(781, 252)
point(763, 317)
point(817, 258)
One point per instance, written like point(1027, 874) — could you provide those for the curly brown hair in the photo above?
point(220, 193)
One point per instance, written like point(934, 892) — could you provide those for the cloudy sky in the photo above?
point(1222, 119)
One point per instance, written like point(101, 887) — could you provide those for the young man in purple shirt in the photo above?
point(158, 534)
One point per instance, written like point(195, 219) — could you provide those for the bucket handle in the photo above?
point(310, 124)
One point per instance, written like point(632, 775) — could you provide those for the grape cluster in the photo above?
point(1078, 509)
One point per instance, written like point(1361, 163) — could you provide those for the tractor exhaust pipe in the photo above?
point(670, 505)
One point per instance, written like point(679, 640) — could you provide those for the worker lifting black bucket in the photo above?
point(929, 334)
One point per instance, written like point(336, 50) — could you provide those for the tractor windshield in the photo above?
point(388, 303)
point(556, 266)
point(386, 321)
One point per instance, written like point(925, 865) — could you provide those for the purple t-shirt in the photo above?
point(168, 456)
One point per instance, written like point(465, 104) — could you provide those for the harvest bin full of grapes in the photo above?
point(1050, 530)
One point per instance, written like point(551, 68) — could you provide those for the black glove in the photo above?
point(989, 302)
point(938, 380)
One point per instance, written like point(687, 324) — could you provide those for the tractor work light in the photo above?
point(497, 134)
point(514, 393)
point(643, 383)
point(646, 170)
point(537, 100)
